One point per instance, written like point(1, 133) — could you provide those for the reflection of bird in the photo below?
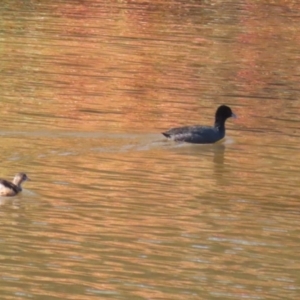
point(203, 134)
point(12, 188)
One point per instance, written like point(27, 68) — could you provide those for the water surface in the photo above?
point(114, 211)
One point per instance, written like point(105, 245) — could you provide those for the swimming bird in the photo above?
point(12, 188)
point(198, 134)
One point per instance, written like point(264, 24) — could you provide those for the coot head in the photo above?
point(224, 112)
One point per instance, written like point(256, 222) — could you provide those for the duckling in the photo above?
point(203, 134)
point(12, 188)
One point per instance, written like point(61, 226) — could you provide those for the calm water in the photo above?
point(113, 210)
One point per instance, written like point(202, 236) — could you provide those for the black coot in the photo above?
point(203, 134)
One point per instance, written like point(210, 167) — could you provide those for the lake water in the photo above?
point(113, 210)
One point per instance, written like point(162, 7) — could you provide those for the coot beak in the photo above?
point(234, 116)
